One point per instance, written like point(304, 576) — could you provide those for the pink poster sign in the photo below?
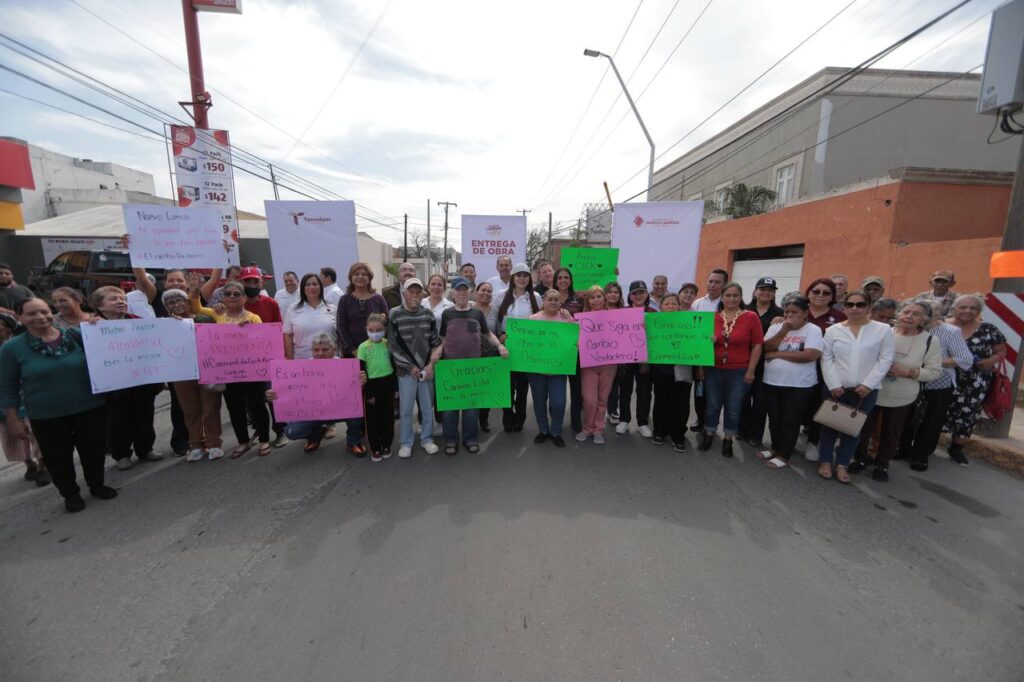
point(612, 337)
point(311, 390)
point(230, 353)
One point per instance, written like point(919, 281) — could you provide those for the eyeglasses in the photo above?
point(820, 292)
point(856, 304)
point(232, 294)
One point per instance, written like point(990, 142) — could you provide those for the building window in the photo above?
point(720, 198)
point(784, 183)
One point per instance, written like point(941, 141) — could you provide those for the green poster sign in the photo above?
point(472, 384)
point(542, 347)
point(590, 266)
point(680, 338)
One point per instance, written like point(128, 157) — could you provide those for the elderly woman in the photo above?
point(24, 450)
point(200, 406)
point(45, 371)
point(68, 303)
point(884, 310)
point(988, 346)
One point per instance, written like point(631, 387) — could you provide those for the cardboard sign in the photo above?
point(680, 338)
point(590, 266)
point(612, 337)
point(170, 236)
point(472, 384)
point(230, 353)
point(313, 390)
point(542, 347)
point(123, 353)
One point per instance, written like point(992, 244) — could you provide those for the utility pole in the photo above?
point(550, 250)
point(405, 239)
point(430, 260)
point(200, 101)
point(444, 253)
point(273, 180)
point(524, 211)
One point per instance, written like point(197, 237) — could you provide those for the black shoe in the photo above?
point(956, 453)
point(43, 478)
point(540, 438)
point(103, 492)
point(706, 439)
point(919, 465)
point(74, 503)
point(698, 427)
point(485, 427)
point(31, 474)
point(517, 427)
point(679, 447)
point(558, 441)
point(856, 466)
point(726, 447)
point(880, 474)
point(508, 428)
point(658, 440)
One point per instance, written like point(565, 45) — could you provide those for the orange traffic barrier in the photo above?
point(1006, 264)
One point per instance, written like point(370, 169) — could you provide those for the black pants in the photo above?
point(671, 406)
point(921, 434)
point(515, 416)
point(251, 397)
point(755, 410)
point(276, 426)
point(642, 380)
point(700, 406)
point(893, 420)
point(130, 421)
point(576, 401)
point(379, 398)
point(179, 431)
point(786, 409)
point(59, 437)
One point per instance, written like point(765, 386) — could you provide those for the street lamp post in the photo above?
point(650, 167)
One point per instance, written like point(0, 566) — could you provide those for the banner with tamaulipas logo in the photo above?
point(308, 235)
point(485, 238)
point(658, 238)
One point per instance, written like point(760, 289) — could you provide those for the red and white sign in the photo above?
point(203, 173)
point(1006, 312)
point(226, 6)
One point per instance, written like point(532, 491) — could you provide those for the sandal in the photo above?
point(472, 448)
point(311, 446)
point(265, 449)
point(240, 450)
point(764, 455)
point(359, 450)
point(825, 471)
point(776, 463)
point(842, 476)
point(450, 449)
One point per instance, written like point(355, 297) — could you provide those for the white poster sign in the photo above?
point(658, 238)
point(308, 235)
point(485, 238)
point(205, 177)
point(54, 246)
point(173, 237)
point(123, 353)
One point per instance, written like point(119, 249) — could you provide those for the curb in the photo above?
point(994, 451)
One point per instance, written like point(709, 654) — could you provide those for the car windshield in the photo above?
point(111, 261)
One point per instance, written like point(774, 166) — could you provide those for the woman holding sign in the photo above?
point(638, 373)
point(671, 392)
point(549, 389)
point(738, 341)
point(44, 370)
point(572, 305)
point(519, 301)
point(595, 382)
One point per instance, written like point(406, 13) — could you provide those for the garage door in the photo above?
point(786, 272)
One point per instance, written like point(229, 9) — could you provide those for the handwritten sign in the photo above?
point(542, 347)
point(231, 353)
point(472, 384)
point(590, 266)
point(612, 337)
point(311, 390)
point(680, 338)
point(171, 236)
point(123, 353)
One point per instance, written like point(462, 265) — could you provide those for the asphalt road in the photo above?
point(627, 562)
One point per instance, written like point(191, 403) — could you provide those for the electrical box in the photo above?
point(1002, 84)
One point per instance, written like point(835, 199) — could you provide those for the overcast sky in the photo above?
point(465, 101)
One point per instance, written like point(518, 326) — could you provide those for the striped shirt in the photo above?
point(951, 345)
point(418, 329)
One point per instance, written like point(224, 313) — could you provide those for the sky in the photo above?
point(490, 105)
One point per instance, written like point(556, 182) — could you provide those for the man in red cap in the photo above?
point(269, 311)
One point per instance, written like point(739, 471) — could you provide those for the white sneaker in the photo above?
point(623, 427)
point(811, 453)
point(582, 436)
point(195, 454)
point(214, 453)
point(404, 452)
point(645, 431)
point(598, 439)
point(430, 448)
point(612, 418)
point(124, 464)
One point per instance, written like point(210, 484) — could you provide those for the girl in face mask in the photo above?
point(379, 390)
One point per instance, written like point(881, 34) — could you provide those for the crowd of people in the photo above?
point(912, 369)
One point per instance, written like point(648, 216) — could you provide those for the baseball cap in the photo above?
point(520, 267)
point(874, 279)
point(942, 274)
point(460, 282)
point(638, 285)
point(250, 272)
point(412, 282)
point(766, 282)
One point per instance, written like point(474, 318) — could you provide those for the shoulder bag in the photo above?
point(842, 418)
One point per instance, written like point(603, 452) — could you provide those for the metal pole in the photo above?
point(405, 239)
point(200, 98)
point(444, 253)
point(430, 265)
point(549, 249)
point(273, 181)
point(170, 167)
point(650, 168)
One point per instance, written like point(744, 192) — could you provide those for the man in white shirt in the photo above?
point(332, 292)
point(709, 303)
point(286, 298)
point(659, 287)
point(501, 281)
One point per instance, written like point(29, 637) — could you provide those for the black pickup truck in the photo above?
point(86, 271)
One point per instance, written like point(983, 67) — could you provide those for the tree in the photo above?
point(742, 201)
point(536, 245)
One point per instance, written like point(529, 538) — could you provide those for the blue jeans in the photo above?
point(548, 392)
point(304, 430)
point(409, 390)
point(847, 444)
point(470, 426)
point(724, 388)
point(353, 431)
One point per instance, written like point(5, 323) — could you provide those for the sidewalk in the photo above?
point(1004, 453)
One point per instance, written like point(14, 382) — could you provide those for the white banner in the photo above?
point(123, 353)
point(658, 238)
point(205, 177)
point(54, 246)
point(172, 237)
point(487, 237)
point(308, 235)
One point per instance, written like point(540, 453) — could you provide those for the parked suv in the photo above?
point(87, 271)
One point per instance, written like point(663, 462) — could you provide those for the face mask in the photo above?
point(252, 292)
point(375, 336)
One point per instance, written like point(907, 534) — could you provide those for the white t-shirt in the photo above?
point(497, 284)
point(286, 300)
point(706, 305)
point(139, 305)
point(333, 293)
point(304, 323)
point(780, 372)
point(444, 305)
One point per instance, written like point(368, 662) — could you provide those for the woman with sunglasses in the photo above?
point(638, 373)
point(519, 300)
point(855, 357)
point(821, 295)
